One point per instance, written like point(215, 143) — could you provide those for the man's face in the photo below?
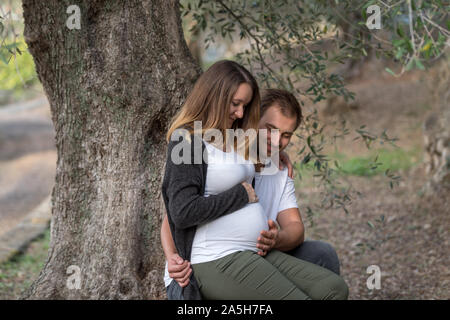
point(273, 118)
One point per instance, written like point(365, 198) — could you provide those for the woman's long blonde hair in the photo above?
point(211, 97)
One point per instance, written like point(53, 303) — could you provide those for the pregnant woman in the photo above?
point(212, 210)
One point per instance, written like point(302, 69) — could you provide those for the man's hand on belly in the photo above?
point(268, 238)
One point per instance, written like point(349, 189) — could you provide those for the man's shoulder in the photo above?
point(278, 176)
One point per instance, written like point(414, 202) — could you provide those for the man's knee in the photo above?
point(318, 252)
point(337, 288)
point(341, 289)
point(328, 256)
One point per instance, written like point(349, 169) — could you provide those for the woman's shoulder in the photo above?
point(185, 136)
point(186, 147)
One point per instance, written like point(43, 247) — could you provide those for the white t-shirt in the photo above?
point(275, 193)
point(238, 230)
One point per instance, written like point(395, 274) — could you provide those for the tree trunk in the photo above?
point(436, 129)
point(113, 86)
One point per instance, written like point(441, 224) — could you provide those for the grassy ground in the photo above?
point(19, 273)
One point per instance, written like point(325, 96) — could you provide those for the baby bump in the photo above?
point(240, 227)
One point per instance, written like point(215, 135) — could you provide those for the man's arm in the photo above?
point(289, 235)
point(292, 230)
point(179, 269)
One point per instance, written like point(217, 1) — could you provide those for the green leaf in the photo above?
point(301, 151)
point(398, 42)
point(410, 65)
point(409, 46)
point(337, 164)
point(364, 14)
point(419, 64)
point(400, 32)
point(370, 224)
point(399, 53)
point(390, 71)
point(306, 158)
point(317, 165)
point(427, 46)
point(3, 58)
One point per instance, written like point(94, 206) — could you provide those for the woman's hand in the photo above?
point(285, 161)
point(179, 270)
point(252, 197)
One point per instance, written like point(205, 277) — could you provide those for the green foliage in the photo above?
point(377, 162)
point(421, 34)
point(17, 274)
point(412, 33)
point(279, 35)
point(17, 70)
point(293, 44)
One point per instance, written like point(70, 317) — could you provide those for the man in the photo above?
point(279, 110)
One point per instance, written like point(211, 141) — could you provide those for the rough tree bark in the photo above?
point(436, 129)
point(113, 85)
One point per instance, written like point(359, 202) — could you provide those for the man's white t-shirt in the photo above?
point(275, 193)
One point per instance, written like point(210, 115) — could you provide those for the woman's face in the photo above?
point(241, 98)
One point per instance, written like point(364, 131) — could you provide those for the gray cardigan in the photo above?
point(183, 188)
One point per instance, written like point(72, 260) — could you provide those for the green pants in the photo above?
point(245, 275)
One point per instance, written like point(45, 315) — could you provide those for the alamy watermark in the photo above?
point(374, 281)
point(239, 146)
point(374, 21)
point(74, 280)
point(74, 20)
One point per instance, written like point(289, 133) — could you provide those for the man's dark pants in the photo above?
point(315, 251)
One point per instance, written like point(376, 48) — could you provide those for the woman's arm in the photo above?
point(179, 269)
point(286, 161)
point(187, 208)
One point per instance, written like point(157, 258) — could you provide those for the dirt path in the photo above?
point(27, 159)
point(411, 247)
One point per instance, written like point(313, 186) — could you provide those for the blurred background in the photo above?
point(27, 155)
point(388, 144)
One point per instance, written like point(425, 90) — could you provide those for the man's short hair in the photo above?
point(284, 100)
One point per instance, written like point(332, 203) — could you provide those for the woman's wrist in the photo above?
point(252, 197)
